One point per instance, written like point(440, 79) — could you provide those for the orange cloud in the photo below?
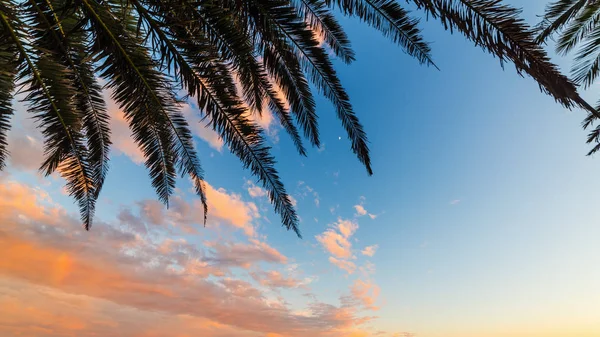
point(223, 208)
point(370, 250)
point(275, 279)
point(255, 191)
point(348, 266)
point(116, 281)
point(26, 152)
point(366, 293)
point(336, 239)
point(121, 137)
point(360, 210)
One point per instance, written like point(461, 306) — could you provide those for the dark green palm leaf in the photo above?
point(46, 82)
point(282, 24)
point(9, 54)
point(234, 57)
point(139, 88)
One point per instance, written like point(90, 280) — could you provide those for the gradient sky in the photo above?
point(479, 220)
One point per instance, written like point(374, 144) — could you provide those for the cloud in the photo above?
point(243, 254)
point(304, 191)
point(255, 191)
point(231, 207)
point(335, 240)
point(360, 210)
point(455, 202)
point(26, 152)
point(293, 200)
point(275, 279)
point(117, 280)
point(121, 136)
point(365, 293)
point(370, 250)
point(345, 265)
point(223, 208)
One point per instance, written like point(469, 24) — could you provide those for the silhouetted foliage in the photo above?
point(233, 57)
point(576, 23)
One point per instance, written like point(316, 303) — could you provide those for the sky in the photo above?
point(478, 221)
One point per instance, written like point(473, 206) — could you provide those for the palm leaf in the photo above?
point(324, 24)
point(497, 28)
point(288, 30)
point(393, 21)
point(48, 90)
point(8, 71)
point(88, 99)
point(227, 115)
point(139, 88)
point(556, 16)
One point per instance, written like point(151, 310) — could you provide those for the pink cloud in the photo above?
point(336, 241)
point(121, 137)
point(345, 265)
point(243, 254)
point(116, 281)
point(26, 152)
point(255, 191)
point(360, 210)
point(275, 279)
point(365, 293)
point(335, 244)
point(370, 250)
point(223, 208)
point(347, 227)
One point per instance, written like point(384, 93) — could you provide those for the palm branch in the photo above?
point(577, 27)
point(235, 58)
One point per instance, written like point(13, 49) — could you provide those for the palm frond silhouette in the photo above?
point(234, 58)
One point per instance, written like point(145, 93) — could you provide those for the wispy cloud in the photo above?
point(370, 250)
point(361, 210)
point(123, 280)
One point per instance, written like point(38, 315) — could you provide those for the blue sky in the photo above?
point(481, 207)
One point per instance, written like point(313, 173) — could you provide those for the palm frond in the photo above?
point(497, 28)
point(283, 115)
point(88, 99)
point(579, 28)
point(556, 16)
point(284, 26)
point(8, 70)
point(227, 115)
point(285, 70)
point(139, 88)
point(48, 91)
point(393, 21)
point(325, 25)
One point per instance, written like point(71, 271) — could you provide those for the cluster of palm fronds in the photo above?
point(577, 25)
point(234, 57)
